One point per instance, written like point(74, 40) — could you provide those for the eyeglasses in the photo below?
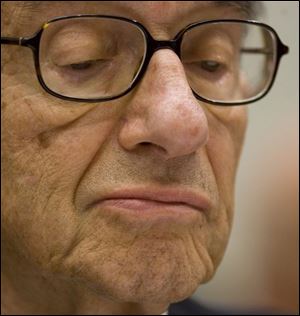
point(94, 58)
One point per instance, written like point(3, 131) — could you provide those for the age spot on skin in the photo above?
point(44, 140)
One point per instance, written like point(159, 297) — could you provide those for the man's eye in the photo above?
point(84, 70)
point(85, 65)
point(210, 65)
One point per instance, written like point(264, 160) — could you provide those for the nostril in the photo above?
point(145, 144)
point(154, 148)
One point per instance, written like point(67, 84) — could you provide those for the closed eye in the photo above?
point(210, 65)
point(85, 65)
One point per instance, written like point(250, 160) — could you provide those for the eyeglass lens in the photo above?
point(91, 58)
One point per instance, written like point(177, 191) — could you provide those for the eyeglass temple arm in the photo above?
point(283, 50)
point(264, 51)
point(13, 41)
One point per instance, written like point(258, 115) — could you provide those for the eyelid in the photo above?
point(66, 57)
point(90, 61)
point(216, 54)
point(213, 38)
point(89, 48)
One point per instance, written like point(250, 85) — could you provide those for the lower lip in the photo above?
point(149, 209)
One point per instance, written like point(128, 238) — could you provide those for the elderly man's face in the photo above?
point(165, 160)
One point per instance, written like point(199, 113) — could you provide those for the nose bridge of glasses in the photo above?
point(171, 44)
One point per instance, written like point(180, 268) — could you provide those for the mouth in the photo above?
point(152, 200)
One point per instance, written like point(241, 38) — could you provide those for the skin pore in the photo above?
point(58, 255)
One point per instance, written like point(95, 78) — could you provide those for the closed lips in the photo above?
point(149, 197)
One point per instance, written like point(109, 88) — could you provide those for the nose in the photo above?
point(163, 112)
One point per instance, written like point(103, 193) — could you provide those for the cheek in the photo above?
point(46, 149)
point(223, 150)
point(227, 130)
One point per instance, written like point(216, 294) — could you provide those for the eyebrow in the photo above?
point(251, 9)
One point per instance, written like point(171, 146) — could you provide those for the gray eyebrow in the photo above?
point(251, 9)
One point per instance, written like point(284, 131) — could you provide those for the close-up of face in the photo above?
point(129, 198)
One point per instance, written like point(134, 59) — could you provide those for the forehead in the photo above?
point(166, 15)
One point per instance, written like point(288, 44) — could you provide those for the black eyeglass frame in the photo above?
point(152, 46)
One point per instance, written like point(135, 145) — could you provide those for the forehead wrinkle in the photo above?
point(248, 7)
point(18, 14)
point(29, 7)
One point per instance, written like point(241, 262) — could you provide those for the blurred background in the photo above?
point(261, 264)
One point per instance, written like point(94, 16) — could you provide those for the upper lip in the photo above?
point(167, 195)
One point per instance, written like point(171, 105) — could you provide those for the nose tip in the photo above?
point(178, 133)
point(186, 140)
point(164, 111)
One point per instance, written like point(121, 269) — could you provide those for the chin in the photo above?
point(142, 290)
point(162, 279)
point(156, 267)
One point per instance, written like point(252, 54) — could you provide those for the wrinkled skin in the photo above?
point(61, 257)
